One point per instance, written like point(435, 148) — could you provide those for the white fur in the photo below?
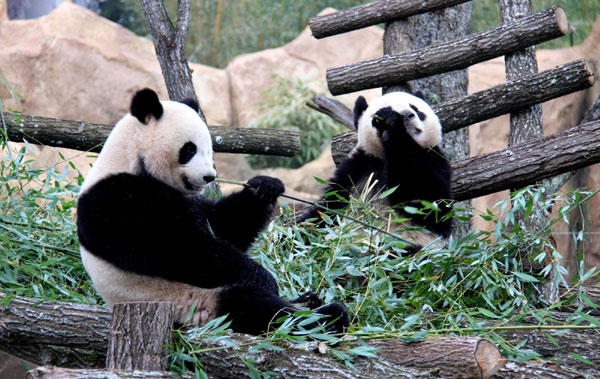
point(430, 129)
point(119, 286)
point(158, 144)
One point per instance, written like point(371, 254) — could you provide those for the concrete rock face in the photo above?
point(73, 64)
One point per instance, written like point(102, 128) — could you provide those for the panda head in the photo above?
point(164, 139)
point(419, 120)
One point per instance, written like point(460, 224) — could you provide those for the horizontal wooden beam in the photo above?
point(85, 136)
point(373, 13)
point(483, 105)
point(449, 56)
point(528, 162)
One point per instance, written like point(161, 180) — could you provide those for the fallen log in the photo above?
point(85, 136)
point(36, 330)
point(449, 56)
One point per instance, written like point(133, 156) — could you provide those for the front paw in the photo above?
point(266, 188)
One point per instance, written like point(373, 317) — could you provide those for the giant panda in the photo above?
point(398, 146)
point(146, 234)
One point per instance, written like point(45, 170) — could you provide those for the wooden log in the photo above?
point(362, 16)
point(55, 333)
point(139, 335)
point(45, 372)
point(44, 325)
point(334, 109)
point(169, 44)
point(515, 95)
point(527, 162)
point(84, 136)
point(448, 56)
point(496, 101)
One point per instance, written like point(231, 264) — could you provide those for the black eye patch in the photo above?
point(187, 152)
point(421, 115)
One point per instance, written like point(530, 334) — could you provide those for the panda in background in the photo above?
point(398, 138)
point(146, 234)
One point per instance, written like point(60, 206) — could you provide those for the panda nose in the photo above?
point(208, 178)
point(407, 115)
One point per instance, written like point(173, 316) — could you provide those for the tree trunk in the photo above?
point(169, 43)
point(373, 13)
point(139, 335)
point(84, 136)
point(449, 56)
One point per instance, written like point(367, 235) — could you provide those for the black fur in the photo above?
point(145, 103)
point(143, 225)
point(192, 104)
point(359, 107)
point(419, 173)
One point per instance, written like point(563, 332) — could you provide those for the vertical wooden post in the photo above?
point(525, 124)
point(138, 336)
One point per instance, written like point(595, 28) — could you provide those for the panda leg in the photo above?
point(254, 310)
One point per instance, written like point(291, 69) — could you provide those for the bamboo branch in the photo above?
point(448, 56)
point(373, 13)
point(84, 136)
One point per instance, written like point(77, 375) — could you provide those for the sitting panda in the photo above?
point(398, 138)
point(146, 234)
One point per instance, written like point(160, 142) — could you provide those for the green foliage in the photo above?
point(581, 15)
point(38, 239)
point(454, 290)
point(284, 109)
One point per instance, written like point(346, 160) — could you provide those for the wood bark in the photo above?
point(373, 13)
point(527, 162)
point(505, 98)
point(84, 136)
point(42, 325)
point(527, 123)
point(46, 372)
point(169, 43)
point(139, 335)
point(334, 109)
point(55, 333)
point(448, 56)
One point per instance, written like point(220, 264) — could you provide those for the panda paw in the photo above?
point(310, 299)
point(266, 188)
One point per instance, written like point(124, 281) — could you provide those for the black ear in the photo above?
point(359, 107)
point(145, 103)
point(420, 95)
point(191, 103)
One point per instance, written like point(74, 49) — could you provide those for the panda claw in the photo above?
point(266, 188)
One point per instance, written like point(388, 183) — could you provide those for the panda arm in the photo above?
point(425, 174)
point(241, 216)
point(144, 226)
point(349, 174)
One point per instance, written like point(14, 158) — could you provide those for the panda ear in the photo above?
point(192, 103)
point(145, 103)
point(420, 95)
point(359, 107)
